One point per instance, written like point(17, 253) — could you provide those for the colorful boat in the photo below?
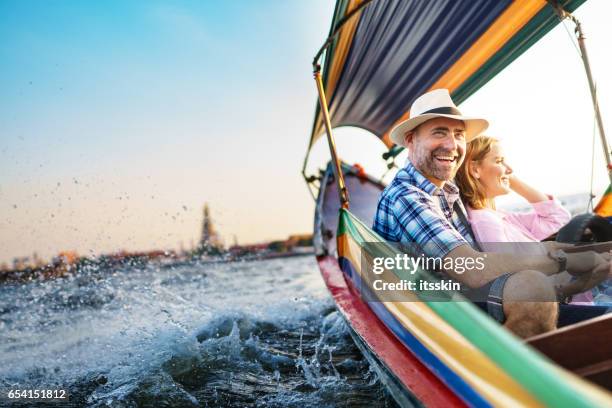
point(379, 57)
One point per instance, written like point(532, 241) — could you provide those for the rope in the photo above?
point(582, 53)
point(571, 37)
point(591, 195)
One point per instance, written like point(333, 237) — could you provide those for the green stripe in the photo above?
point(528, 368)
point(531, 33)
point(344, 223)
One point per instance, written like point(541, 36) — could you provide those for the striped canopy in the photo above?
point(393, 51)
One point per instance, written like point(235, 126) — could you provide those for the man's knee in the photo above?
point(529, 286)
point(530, 304)
point(528, 319)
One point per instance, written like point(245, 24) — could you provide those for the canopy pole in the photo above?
point(323, 102)
point(587, 67)
point(342, 191)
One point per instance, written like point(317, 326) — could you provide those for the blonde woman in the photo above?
point(485, 175)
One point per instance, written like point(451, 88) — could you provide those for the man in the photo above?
point(421, 206)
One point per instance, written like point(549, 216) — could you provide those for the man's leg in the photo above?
point(530, 304)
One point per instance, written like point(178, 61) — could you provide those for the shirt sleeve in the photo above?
point(422, 225)
point(493, 235)
point(546, 218)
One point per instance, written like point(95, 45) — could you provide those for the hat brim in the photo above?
point(474, 127)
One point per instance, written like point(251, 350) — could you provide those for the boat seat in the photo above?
point(583, 348)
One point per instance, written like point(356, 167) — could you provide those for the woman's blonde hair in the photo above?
point(471, 189)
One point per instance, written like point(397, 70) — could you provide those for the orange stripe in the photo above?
point(505, 27)
point(497, 35)
point(604, 207)
point(345, 38)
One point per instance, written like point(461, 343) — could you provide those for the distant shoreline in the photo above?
point(99, 265)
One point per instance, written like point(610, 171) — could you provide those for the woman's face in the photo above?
point(493, 173)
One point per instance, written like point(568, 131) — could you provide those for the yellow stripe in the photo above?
point(511, 21)
point(447, 344)
point(460, 355)
point(343, 45)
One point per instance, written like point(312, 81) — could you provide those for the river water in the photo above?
point(258, 333)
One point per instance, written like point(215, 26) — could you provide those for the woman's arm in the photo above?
point(526, 191)
point(547, 217)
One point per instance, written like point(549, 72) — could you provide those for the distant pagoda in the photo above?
point(210, 242)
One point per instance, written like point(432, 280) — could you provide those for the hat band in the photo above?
point(449, 110)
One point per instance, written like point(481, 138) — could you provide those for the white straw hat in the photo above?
point(436, 104)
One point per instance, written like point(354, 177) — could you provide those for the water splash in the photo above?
point(241, 334)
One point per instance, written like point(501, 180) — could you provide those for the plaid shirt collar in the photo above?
point(410, 175)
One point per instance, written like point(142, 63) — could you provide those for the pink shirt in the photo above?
point(514, 228)
point(546, 218)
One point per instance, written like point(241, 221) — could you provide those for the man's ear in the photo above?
point(408, 137)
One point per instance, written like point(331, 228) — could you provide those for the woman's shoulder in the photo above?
point(484, 215)
point(488, 225)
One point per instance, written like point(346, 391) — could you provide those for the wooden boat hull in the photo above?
point(408, 380)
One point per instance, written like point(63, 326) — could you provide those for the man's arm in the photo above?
point(498, 264)
point(421, 225)
point(600, 247)
point(585, 282)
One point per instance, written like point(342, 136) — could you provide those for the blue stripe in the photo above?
point(399, 50)
point(346, 267)
point(443, 372)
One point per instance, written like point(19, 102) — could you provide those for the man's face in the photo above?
point(437, 148)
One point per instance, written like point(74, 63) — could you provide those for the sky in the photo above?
point(119, 119)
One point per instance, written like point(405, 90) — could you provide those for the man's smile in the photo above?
point(447, 159)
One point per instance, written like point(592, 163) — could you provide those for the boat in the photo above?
point(380, 55)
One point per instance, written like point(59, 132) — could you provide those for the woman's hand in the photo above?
point(513, 181)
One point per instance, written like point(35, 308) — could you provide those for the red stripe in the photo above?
point(410, 371)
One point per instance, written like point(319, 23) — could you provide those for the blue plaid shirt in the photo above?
point(412, 210)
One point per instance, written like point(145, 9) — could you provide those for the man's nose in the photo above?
point(508, 169)
point(450, 143)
